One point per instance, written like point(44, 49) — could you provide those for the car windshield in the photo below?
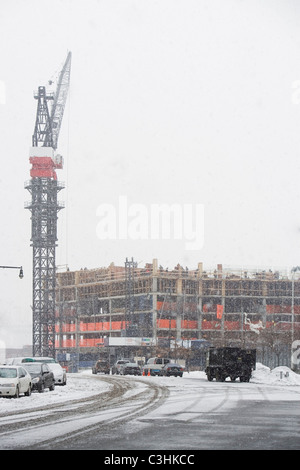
point(32, 367)
point(6, 373)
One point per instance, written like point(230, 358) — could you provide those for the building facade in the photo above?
point(226, 307)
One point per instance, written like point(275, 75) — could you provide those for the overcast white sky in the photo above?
point(171, 101)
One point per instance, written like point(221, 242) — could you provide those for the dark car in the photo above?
point(130, 368)
point(42, 376)
point(101, 366)
point(172, 369)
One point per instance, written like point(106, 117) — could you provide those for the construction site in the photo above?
point(142, 311)
point(156, 310)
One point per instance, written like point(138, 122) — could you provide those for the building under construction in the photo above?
point(175, 308)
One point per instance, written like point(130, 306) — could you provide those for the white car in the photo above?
point(13, 381)
point(118, 365)
point(60, 375)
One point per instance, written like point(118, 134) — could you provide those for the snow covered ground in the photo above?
point(95, 412)
point(81, 386)
point(281, 375)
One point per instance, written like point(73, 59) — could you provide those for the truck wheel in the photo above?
point(220, 377)
point(209, 377)
point(244, 378)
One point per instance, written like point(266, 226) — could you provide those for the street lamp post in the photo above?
point(21, 274)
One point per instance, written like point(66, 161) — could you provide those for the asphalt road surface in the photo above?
point(231, 416)
point(160, 413)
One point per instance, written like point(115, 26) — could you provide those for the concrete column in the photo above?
point(223, 292)
point(109, 312)
point(199, 299)
point(154, 266)
point(178, 319)
point(154, 308)
point(179, 304)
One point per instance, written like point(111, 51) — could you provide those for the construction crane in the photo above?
point(44, 208)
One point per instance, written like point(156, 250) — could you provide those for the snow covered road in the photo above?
point(46, 420)
point(118, 413)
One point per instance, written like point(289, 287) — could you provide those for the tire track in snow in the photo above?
point(127, 399)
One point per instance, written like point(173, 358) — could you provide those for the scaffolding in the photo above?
point(231, 307)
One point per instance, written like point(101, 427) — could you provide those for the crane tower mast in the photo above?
point(44, 208)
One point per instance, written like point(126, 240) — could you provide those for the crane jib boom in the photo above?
point(60, 99)
point(47, 125)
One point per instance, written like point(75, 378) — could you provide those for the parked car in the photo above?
point(42, 376)
point(155, 364)
point(13, 381)
point(130, 368)
point(101, 366)
point(60, 375)
point(116, 367)
point(172, 369)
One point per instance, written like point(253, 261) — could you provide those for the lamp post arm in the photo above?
point(21, 274)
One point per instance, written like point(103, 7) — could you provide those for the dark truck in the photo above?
point(230, 362)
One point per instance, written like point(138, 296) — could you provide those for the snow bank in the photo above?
point(74, 390)
point(281, 375)
point(262, 374)
point(199, 374)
